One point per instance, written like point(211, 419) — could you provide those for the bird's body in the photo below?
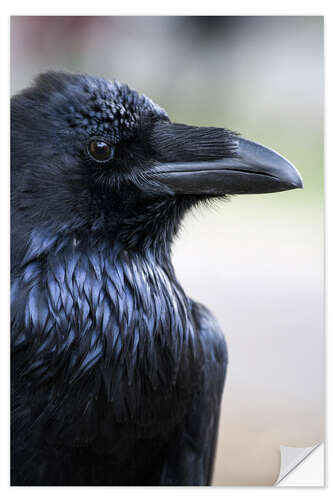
point(110, 384)
point(117, 375)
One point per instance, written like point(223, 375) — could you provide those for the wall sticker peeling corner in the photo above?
point(302, 466)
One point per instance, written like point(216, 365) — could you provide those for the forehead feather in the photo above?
point(92, 103)
point(108, 103)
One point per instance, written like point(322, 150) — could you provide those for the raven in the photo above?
point(116, 375)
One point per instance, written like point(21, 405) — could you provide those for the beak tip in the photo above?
point(297, 182)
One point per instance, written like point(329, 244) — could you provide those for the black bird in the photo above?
point(117, 375)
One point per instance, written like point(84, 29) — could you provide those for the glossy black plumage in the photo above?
point(117, 375)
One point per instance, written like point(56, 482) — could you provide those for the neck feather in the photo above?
point(120, 314)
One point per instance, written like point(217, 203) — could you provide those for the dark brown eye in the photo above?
point(100, 150)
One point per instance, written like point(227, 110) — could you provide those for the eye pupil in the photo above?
point(100, 150)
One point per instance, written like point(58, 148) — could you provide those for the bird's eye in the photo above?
point(100, 150)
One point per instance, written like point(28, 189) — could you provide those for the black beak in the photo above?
point(251, 168)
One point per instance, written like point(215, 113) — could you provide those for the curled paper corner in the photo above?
point(298, 470)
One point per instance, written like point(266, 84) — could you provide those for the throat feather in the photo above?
point(115, 317)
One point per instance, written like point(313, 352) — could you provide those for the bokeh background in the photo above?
point(256, 261)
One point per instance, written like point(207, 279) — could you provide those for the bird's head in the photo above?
point(90, 156)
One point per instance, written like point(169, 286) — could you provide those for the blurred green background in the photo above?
point(257, 261)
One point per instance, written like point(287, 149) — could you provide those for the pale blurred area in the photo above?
point(255, 261)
